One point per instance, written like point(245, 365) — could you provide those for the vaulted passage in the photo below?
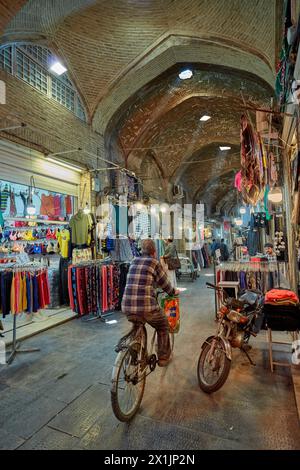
point(149, 150)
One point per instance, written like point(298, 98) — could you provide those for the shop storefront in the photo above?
point(38, 201)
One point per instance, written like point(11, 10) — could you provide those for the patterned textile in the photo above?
point(144, 275)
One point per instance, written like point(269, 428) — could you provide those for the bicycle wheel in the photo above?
point(128, 382)
point(213, 367)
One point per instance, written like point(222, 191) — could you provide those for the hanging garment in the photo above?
point(68, 205)
point(6, 279)
point(4, 195)
point(80, 226)
point(47, 206)
point(57, 206)
point(13, 207)
point(104, 289)
point(63, 241)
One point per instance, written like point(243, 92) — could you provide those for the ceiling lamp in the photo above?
point(222, 148)
point(275, 195)
point(185, 74)
point(243, 210)
point(58, 68)
point(205, 118)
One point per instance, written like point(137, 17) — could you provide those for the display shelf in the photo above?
point(40, 221)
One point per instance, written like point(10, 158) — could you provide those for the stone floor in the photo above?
point(32, 324)
point(59, 398)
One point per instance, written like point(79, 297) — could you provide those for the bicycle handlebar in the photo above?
point(212, 286)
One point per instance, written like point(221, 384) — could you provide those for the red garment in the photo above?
point(41, 293)
point(104, 289)
point(68, 203)
point(111, 287)
point(81, 290)
point(47, 207)
point(281, 295)
point(57, 208)
point(45, 280)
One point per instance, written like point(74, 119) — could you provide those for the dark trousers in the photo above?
point(159, 322)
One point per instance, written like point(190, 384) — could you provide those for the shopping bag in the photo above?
point(170, 306)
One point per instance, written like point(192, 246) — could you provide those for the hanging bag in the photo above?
point(173, 263)
point(170, 306)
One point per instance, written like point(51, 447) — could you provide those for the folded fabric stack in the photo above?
point(281, 310)
point(281, 297)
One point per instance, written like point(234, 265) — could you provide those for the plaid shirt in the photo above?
point(272, 258)
point(145, 274)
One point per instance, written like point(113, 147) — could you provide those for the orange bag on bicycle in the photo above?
point(170, 306)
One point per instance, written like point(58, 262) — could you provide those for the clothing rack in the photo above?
point(32, 268)
point(248, 266)
point(79, 303)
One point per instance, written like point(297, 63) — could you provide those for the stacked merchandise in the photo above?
point(43, 240)
point(23, 290)
point(94, 288)
point(281, 310)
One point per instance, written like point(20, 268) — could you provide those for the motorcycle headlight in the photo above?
point(234, 316)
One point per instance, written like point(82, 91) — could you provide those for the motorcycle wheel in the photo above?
point(213, 370)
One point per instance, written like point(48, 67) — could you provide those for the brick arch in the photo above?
point(175, 50)
point(7, 11)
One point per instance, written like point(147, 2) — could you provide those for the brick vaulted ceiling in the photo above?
point(124, 56)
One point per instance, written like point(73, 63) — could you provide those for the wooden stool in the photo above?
point(295, 337)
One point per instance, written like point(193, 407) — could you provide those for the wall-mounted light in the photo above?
point(275, 195)
point(205, 118)
point(225, 147)
point(71, 166)
point(31, 209)
point(58, 68)
point(185, 74)
point(87, 210)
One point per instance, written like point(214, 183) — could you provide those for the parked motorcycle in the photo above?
point(238, 320)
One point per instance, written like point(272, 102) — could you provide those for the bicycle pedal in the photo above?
point(152, 361)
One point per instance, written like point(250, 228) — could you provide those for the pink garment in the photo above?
point(238, 181)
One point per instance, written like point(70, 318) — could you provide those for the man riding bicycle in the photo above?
point(140, 300)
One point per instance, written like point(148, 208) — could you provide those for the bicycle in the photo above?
point(132, 365)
